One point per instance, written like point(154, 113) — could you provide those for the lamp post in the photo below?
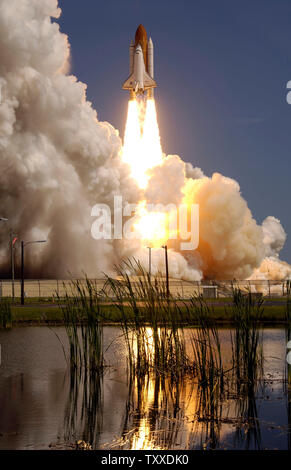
point(167, 270)
point(12, 242)
point(23, 244)
point(2, 219)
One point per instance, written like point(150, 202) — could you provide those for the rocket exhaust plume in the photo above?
point(142, 147)
point(57, 160)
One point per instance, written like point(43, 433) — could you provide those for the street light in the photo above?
point(167, 270)
point(13, 239)
point(23, 244)
point(2, 219)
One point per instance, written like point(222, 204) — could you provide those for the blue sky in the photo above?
point(221, 68)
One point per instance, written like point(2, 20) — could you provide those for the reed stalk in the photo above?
point(153, 334)
point(247, 354)
point(5, 314)
point(82, 318)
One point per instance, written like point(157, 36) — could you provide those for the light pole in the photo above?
point(12, 242)
point(167, 270)
point(23, 244)
point(150, 260)
point(2, 219)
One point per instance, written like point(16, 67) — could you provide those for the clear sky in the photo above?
point(221, 68)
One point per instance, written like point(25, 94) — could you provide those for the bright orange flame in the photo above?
point(150, 141)
point(152, 226)
point(142, 151)
point(142, 146)
point(132, 141)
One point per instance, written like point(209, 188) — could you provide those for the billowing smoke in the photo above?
point(274, 236)
point(232, 244)
point(57, 160)
point(272, 267)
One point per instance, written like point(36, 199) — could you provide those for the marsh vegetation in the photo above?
point(168, 373)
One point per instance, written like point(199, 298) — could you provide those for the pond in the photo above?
point(44, 406)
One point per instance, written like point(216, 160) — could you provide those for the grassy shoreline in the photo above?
point(44, 314)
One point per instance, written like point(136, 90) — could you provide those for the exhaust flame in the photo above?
point(132, 143)
point(142, 151)
point(142, 146)
point(152, 226)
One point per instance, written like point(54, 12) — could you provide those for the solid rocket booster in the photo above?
point(141, 65)
point(151, 65)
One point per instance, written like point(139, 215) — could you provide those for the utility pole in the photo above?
point(167, 270)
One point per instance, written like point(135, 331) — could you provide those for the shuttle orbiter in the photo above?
point(141, 65)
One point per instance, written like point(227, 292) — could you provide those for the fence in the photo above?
point(48, 289)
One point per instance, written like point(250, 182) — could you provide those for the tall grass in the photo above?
point(247, 354)
point(248, 424)
point(206, 358)
point(83, 418)
point(5, 314)
point(82, 318)
point(159, 344)
point(153, 334)
point(247, 358)
point(154, 329)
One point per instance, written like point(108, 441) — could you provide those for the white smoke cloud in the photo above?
point(274, 236)
point(193, 172)
point(272, 268)
point(231, 242)
point(179, 268)
point(166, 182)
point(57, 160)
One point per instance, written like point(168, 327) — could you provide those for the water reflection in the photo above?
point(162, 413)
point(84, 408)
point(155, 412)
point(248, 434)
point(42, 403)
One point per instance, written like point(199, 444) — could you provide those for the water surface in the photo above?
point(43, 406)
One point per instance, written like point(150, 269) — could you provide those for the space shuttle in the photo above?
point(141, 65)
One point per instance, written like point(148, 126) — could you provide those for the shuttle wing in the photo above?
point(148, 81)
point(129, 84)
